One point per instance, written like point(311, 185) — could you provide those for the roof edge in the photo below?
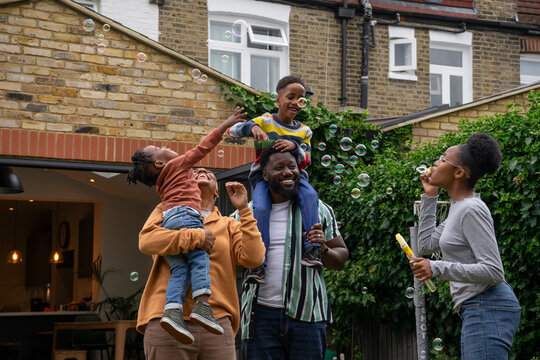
point(521, 89)
point(151, 43)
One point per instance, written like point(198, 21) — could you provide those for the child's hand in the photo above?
point(284, 145)
point(236, 117)
point(258, 133)
point(237, 194)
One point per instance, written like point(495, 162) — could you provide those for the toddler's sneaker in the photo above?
point(312, 257)
point(255, 275)
point(173, 322)
point(202, 314)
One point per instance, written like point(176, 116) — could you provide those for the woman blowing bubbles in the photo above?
point(471, 261)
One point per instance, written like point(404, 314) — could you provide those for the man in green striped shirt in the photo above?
point(285, 317)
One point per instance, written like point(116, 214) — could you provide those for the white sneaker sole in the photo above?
point(181, 335)
point(207, 324)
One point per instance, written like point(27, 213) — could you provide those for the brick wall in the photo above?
point(183, 26)
point(430, 129)
point(497, 10)
point(54, 81)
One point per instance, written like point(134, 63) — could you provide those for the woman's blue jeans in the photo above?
point(490, 321)
point(194, 266)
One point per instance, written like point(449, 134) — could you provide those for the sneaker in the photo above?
point(203, 315)
point(173, 323)
point(312, 257)
point(255, 275)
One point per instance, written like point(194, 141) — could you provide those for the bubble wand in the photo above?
point(411, 256)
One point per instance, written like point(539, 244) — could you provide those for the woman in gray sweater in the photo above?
point(489, 310)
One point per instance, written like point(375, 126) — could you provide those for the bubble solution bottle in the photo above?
point(411, 256)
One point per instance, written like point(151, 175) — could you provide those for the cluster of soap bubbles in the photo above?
point(90, 26)
point(198, 76)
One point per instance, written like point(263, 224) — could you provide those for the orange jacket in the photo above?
point(237, 243)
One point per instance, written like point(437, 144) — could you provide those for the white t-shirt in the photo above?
point(270, 291)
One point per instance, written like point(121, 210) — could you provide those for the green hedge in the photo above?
point(377, 273)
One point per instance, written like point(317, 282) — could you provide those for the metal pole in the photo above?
point(422, 340)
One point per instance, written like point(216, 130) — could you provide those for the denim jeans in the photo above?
point(280, 337)
point(193, 266)
point(490, 321)
point(262, 203)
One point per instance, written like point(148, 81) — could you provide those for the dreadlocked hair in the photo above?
point(140, 170)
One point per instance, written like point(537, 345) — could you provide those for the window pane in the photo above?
point(456, 90)
point(223, 32)
point(445, 57)
point(435, 90)
point(267, 34)
point(402, 54)
point(530, 68)
point(264, 73)
point(226, 62)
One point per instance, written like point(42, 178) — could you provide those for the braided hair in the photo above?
point(481, 153)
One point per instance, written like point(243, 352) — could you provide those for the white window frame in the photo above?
point(529, 79)
point(92, 4)
point(455, 42)
point(246, 52)
point(401, 35)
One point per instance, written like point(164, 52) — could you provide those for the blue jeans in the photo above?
point(490, 321)
point(262, 203)
point(194, 265)
point(280, 337)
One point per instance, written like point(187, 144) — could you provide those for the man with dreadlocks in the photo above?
point(173, 176)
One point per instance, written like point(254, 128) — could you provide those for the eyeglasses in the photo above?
point(443, 159)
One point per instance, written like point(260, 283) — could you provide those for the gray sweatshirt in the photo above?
point(466, 239)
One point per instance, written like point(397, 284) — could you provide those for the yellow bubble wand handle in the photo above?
point(411, 256)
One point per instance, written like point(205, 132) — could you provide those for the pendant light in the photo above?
point(56, 256)
point(10, 183)
point(14, 256)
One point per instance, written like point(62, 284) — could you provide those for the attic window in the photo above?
point(402, 53)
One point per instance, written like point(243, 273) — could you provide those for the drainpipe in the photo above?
point(366, 27)
point(344, 14)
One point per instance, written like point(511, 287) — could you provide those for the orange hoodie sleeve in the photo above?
point(248, 247)
point(156, 240)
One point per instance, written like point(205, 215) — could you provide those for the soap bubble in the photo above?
point(220, 153)
point(337, 180)
point(181, 72)
point(304, 146)
point(363, 180)
point(106, 27)
point(321, 146)
point(89, 25)
point(346, 144)
point(101, 37)
point(326, 160)
point(228, 34)
point(225, 58)
point(141, 57)
point(195, 73)
point(355, 193)
point(353, 160)
point(273, 96)
point(375, 144)
point(364, 290)
point(409, 292)
point(389, 191)
point(332, 128)
point(302, 102)
point(438, 344)
point(134, 276)
point(204, 77)
point(360, 149)
point(101, 47)
point(423, 354)
point(422, 169)
point(339, 168)
point(237, 27)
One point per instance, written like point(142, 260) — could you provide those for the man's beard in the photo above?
point(276, 187)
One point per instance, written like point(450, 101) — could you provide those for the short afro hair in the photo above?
point(269, 151)
point(481, 153)
point(141, 169)
point(288, 80)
